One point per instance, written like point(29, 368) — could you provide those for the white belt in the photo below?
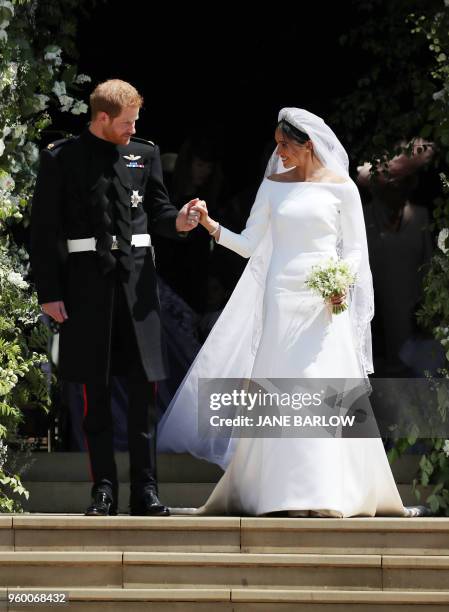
point(89, 244)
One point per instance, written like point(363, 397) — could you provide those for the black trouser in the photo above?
point(142, 418)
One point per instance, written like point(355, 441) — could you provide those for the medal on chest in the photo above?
point(136, 198)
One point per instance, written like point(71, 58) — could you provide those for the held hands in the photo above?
point(188, 217)
point(212, 226)
point(195, 212)
point(200, 209)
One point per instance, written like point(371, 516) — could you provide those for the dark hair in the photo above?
point(292, 132)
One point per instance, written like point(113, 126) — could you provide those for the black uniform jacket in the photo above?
point(84, 189)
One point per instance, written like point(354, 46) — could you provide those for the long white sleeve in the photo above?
point(246, 242)
point(352, 225)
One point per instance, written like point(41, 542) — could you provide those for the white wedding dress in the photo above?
point(299, 338)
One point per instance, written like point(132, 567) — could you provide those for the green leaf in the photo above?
point(433, 501)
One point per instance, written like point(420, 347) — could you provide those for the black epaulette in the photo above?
point(143, 141)
point(58, 143)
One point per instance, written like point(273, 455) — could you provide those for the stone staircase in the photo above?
point(238, 564)
point(233, 564)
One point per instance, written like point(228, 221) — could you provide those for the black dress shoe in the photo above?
point(148, 505)
point(102, 505)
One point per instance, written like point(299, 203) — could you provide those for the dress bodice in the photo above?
point(304, 217)
point(306, 221)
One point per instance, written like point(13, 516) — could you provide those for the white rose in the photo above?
point(65, 102)
point(5, 8)
point(446, 443)
point(79, 108)
point(6, 182)
point(438, 95)
point(7, 4)
point(16, 279)
point(14, 166)
point(40, 102)
point(82, 78)
point(32, 152)
point(2, 147)
point(53, 54)
point(444, 233)
point(59, 88)
point(20, 131)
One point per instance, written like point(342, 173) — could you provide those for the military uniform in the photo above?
point(88, 187)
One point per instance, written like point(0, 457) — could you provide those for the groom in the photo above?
point(98, 199)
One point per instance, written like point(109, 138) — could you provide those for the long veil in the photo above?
point(230, 348)
point(228, 352)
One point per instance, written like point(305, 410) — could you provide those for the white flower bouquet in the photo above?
point(329, 279)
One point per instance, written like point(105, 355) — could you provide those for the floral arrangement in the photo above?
point(331, 278)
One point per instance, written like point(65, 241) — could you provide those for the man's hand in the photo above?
point(55, 310)
point(187, 219)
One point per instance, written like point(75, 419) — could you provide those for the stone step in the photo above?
point(61, 569)
point(131, 533)
point(74, 467)
point(242, 600)
point(212, 570)
point(174, 570)
point(74, 496)
point(362, 536)
point(270, 600)
point(375, 535)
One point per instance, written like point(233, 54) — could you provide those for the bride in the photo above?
point(306, 210)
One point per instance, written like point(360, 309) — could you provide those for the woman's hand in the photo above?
point(200, 208)
point(337, 299)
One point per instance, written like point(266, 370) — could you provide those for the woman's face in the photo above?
point(291, 152)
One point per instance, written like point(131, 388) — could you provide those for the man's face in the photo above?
point(120, 129)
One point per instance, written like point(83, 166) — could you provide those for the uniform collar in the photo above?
point(99, 143)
